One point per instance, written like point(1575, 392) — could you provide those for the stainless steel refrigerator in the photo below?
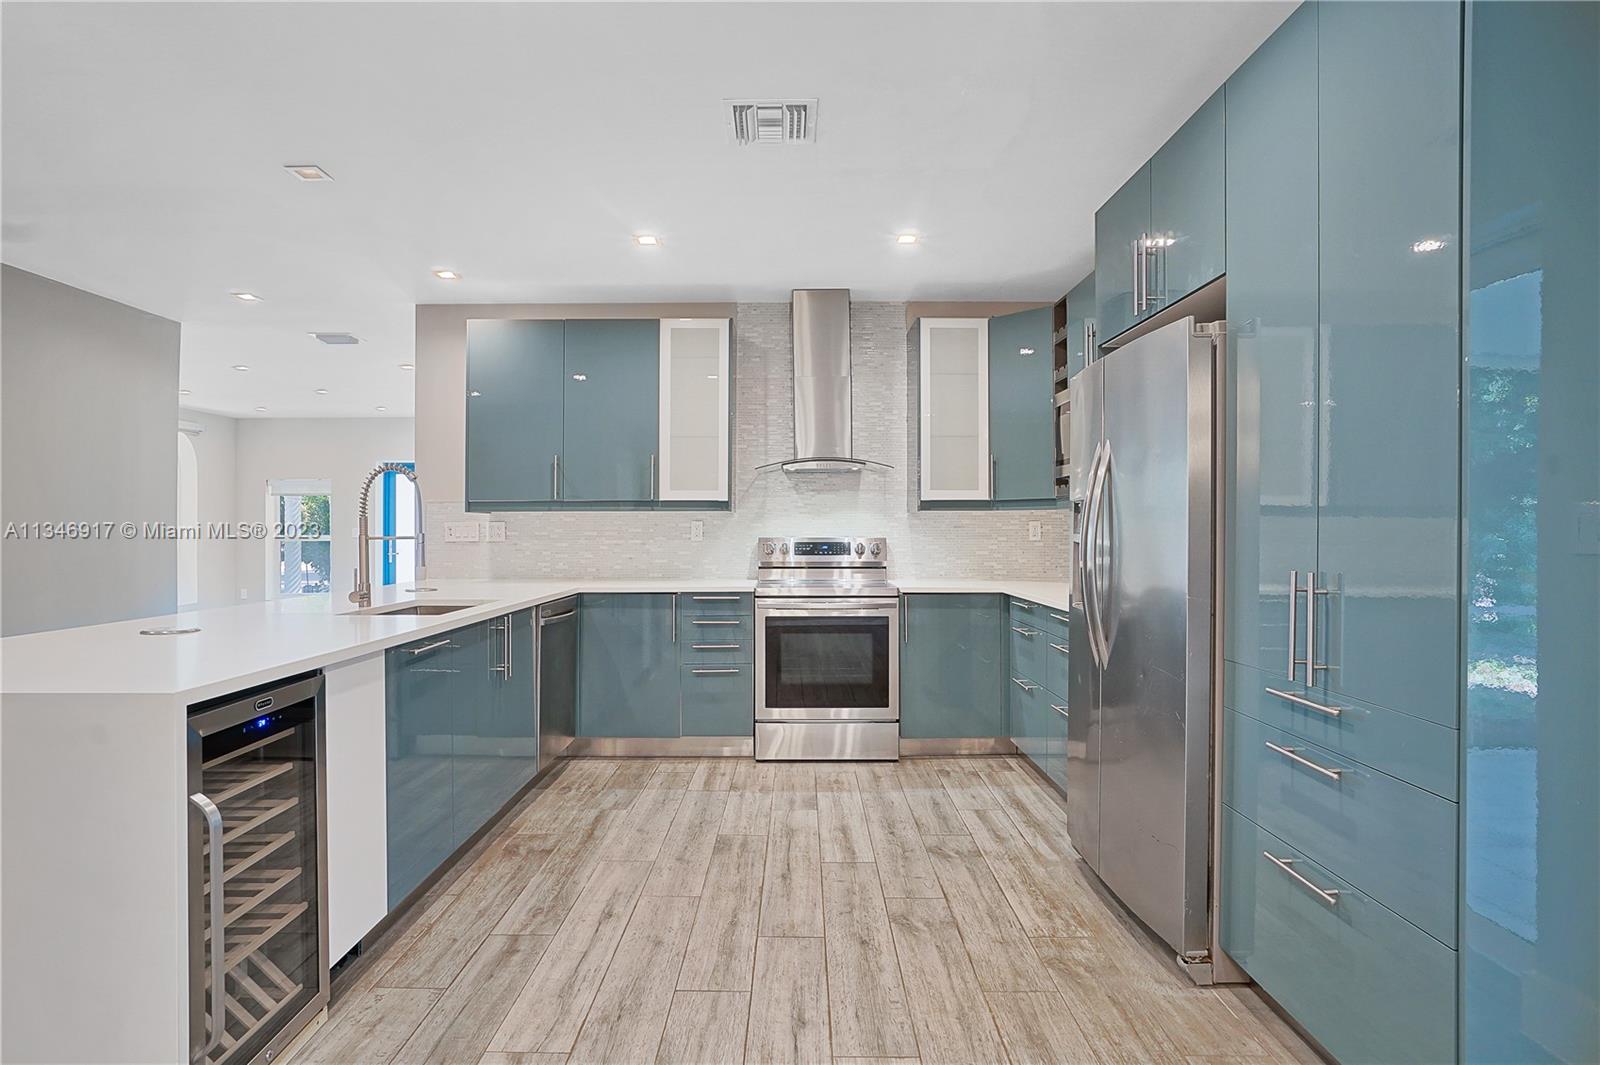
point(1139, 724)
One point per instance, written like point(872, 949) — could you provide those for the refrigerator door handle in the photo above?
point(1086, 557)
point(1102, 592)
point(1092, 557)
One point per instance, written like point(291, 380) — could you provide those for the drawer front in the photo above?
point(714, 628)
point(1028, 648)
point(1055, 668)
point(694, 604)
point(1395, 842)
point(1026, 703)
point(1367, 985)
point(718, 700)
point(1037, 616)
point(706, 646)
point(1416, 751)
point(1055, 740)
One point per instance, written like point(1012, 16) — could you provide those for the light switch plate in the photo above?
point(494, 532)
point(1035, 530)
point(697, 530)
point(461, 532)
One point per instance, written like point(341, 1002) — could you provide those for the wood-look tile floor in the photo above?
point(723, 910)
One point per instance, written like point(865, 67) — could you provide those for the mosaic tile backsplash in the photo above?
point(944, 544)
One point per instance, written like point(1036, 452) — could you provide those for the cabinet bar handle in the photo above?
point(716, 598)
point(699, 621)
point(428, 646)
point(1018, 604)
point(715, 646)
point(213, 818)
point(1311, 626)
point(716, 671)
point(1293, 754)
point(674, 625)
point(1294, 610)
point(551, 619)
point(508, 647)
point(1025, 685)
point(1059, 709)
point(1060, 647)
point(655, 493)
point(1327, 895)
point(1298, 700)
point(1020, 631)
point(1061, 618)
point(555, 476)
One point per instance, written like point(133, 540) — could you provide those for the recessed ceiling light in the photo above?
point(407, 366)
point(906, 238)
point(183, 392)
point(337, 338)
point(447, 275)
point(246, 297)
point(309, 172)
point(261, 408)
point(322, 391)
point(241, 369)
point(380, 408)
point(647, 240)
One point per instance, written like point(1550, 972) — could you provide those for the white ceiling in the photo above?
point(523, 145)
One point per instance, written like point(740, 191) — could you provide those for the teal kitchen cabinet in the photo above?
point(719, 699)
point(1026, 703)
point(1271, 459)
point(716, 685)
point(627, 666)
point(1530, 929)
point(1389, 254)
point(1187, 207)
point(610, 410)
point(1120, 225)
point(475, 695)
point(515, 373)
point(1080, 325)
point(1055, 739)
point(424, 681)
point(497, 749)
point(952, 667)
point(1021, 408)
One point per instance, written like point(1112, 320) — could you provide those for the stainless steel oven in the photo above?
point(827, 651)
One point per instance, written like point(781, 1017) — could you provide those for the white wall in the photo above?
point(214, 448)
point(88, 433)
point(339, 450)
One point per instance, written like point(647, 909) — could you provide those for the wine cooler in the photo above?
point(258, 924)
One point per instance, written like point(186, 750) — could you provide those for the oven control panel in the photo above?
point(822, 551)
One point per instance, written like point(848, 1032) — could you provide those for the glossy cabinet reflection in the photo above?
point(1530, 925)
point(951, 664)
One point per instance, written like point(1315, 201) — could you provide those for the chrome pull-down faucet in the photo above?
point(362, 596)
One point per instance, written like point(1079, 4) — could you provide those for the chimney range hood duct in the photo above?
point(822, 385)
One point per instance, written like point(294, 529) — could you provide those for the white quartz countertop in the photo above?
point(254, 643)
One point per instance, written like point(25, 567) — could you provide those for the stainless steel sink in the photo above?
point(420, 609)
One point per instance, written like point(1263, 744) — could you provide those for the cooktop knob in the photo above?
point(861, 548)
point(877, 549)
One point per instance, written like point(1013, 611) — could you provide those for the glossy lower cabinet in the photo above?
point(1036, 676)
point(717, 684)
point(1368, 985)
point(461, 740)
point(1530, 926)
point(1021, 408)
point(515, 380)
point(952, 662)
point(628, 671)
point(718, 698)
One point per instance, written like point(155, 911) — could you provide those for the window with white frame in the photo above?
point(300, 549)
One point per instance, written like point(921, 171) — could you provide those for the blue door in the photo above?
point(610, 410)
point(1119, 225)
point(1022, 438)
point(1186, 206)
point(514, 410)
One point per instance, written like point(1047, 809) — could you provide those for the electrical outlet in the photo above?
point(461, 532)
point(494, 532)
point(697, 531)
point(1035, 530)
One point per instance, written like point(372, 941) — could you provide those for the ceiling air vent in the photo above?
point(772, 121)
point(337, 338)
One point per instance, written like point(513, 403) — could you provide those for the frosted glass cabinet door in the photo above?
point(954, 369)
point(694, 409)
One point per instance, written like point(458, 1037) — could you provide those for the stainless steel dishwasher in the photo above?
point(557, 678)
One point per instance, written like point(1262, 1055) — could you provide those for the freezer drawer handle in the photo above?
point(1331, 711)
point(1293, 754)
point(1020, 631)
point(219, 1000)
point(1025, 685)
point(1328, 896)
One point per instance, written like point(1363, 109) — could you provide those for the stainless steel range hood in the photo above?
point(822, 385)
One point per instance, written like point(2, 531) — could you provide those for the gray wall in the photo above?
point(88, 432)
point(945, 544)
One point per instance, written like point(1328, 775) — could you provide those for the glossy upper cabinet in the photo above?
point(1120, 225)
point(628, 666)
point(952, 662)
point(609, 408)
point(1530, 928)
point(1187, 243)
point(695, 383)
point(1271, 454)
point(1080, 325)
point(1021, 411)
point(953, 416)
point(1389, 174)
point(515, 374)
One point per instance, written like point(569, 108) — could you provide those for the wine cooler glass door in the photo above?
point(258, 943)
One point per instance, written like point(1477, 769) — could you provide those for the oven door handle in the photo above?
point(845, 607)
